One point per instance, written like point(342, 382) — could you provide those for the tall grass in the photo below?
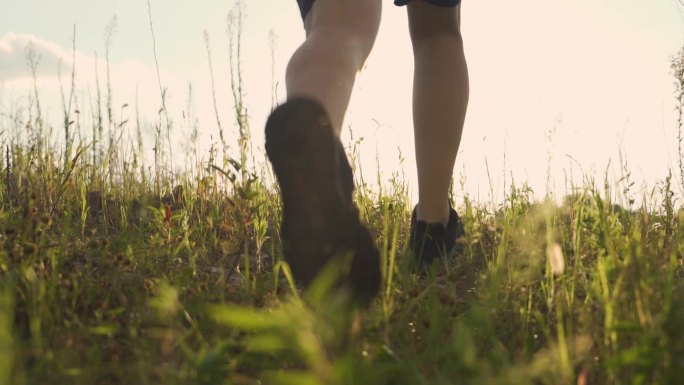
point(109, 275)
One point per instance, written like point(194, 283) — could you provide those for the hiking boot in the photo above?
point(431, 241)
point(320, 220)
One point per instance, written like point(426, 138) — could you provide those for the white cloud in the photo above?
point(125, 76)
point(53, 59)
point(133, 83)
point(13, 56)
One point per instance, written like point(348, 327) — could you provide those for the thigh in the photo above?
point(331, 12)
point(426, 19)
point(355, 13)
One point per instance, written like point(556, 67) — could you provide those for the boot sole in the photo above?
point(319, 220)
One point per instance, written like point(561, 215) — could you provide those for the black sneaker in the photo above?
point(431, 241)
point(320, 219)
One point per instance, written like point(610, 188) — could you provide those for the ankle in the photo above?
point(433, 213)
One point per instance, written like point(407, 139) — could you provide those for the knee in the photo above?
point(355, 43)
point(343, 45)
point(427, 33)
point(428, 22)
point(348, 29)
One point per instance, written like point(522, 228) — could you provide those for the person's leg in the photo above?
point(340, 35)
point(440, 98)
point(320, 222)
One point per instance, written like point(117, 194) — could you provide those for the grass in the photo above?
point(112, 283)
point(115, 273)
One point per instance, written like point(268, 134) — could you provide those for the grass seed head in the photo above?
point(93, 244)
point(556, 258)
point(149, 285)
point(45, 220)
point(30, 249)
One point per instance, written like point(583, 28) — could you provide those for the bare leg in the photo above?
point(440, 99)
point(340, 36)
point(320, 220)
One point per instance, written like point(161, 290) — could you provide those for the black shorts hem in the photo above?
point(305, 5)
point(440, 3)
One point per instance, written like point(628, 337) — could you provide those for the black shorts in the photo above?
point(305, 5)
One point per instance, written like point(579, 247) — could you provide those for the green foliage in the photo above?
point(125, 286)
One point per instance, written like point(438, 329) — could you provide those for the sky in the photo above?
point(558, 88)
